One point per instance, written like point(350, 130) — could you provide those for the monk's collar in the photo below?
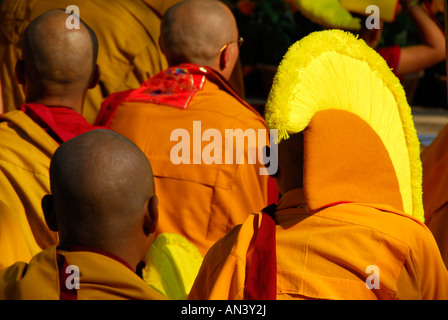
point(78, 248)
point(292, 199)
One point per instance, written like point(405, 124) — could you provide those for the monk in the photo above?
point(57, 69)
point(205, 194)
point(104, 207)
point(349, 223)
point(434, 190)
point(127, 31)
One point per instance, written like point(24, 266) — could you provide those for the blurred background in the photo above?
point(270, 27)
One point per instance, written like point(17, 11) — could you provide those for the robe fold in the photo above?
point(53, 274)
point(28, 140)
point(202, 195)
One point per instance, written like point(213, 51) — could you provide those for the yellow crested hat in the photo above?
point(336, 14)
point(361, 144)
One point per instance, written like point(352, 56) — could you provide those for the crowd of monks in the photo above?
point(88, 183)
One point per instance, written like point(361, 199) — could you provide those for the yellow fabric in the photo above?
point(336, 14)
point(328, 13)
point(325, 255)
point(358, 80)
point(13, 246)
point(172, 264)
point(198, 201)
point(161, 5)
point(127, 31)
point(26, 151)
point(387, 8)
point(101, 278)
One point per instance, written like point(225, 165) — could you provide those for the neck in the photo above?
point(73, 103)
point(126, 255)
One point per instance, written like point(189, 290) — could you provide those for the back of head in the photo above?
point(194, 31)
point(100, 182)
point(56, 56)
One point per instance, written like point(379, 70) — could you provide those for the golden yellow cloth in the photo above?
point(13, 246)
point(435, 184)
point(101, 278)
point(201, 202)
point(161, 5)
point(325, 255)
point(24, 178)
point(127, 31)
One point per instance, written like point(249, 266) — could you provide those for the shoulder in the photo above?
point(213, 99)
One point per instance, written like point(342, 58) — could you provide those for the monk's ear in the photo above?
point(224, 58)
point(49, 212)
point(96, 77)
point(20, 72)
point(151, 219)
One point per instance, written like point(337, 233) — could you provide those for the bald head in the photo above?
point(195, 30)
point(57, 58)
point(101, 184)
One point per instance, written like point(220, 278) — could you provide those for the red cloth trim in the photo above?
point(61, 123)
point(64, 293)
point(261, 279)
point(174, 87)
point(392, 56)
point(273, 192)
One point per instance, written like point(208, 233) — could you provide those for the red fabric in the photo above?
point(60, 123)
point(273, 192)
point(261, 279)
point(392, 56)
point(64, 292)
point(174, 87)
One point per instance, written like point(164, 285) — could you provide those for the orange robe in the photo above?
point(28, 140)
point(128, 53)
point(326, 255)
point(435, 186)
point(102, 277)
point(347, 222)
point(199, 201)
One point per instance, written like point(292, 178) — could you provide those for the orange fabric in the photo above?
point(435, 186)
point(101, 278)
point(357, 171)
point(325, 255)
point(201, 202)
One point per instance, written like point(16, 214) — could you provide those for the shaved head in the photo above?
point(56, 57)
point(100, 182)
point(195, 30)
